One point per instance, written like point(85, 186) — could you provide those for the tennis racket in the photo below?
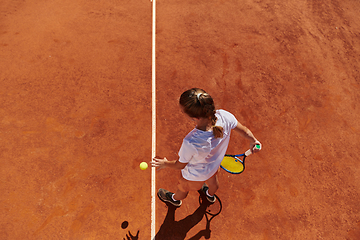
point(235, 164)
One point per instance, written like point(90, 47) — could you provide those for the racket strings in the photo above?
point(232, 164)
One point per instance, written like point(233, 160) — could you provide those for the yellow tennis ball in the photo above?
point(143, 165)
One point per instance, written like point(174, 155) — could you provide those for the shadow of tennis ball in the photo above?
point(125, 224)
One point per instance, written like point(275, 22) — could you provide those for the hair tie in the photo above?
point(198, 95)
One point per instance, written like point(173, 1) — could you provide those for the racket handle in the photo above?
point(249, 152)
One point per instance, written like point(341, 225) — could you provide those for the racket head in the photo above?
point(233, 164)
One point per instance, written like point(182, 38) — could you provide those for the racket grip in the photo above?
point(249, 152)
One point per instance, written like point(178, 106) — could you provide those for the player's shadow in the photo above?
point(177, 230)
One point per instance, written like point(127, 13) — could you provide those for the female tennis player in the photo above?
point(203, 148)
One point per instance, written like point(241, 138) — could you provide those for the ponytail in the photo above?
point(218, 131)
point(199, 104)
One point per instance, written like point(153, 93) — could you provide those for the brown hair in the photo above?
point(199, 104)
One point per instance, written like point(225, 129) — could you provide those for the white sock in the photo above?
point(172, 196)
point(207, 193)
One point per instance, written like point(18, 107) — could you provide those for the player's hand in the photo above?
point(254, 146)
point(160, 163)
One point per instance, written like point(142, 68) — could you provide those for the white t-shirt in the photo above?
point(203, 152)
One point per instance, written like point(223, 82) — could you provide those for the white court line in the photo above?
point(153, 136)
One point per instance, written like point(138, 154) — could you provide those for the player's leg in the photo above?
point(211, 187)
point(213, 184)
point(185, 186)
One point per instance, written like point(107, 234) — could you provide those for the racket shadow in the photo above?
point(177, 230)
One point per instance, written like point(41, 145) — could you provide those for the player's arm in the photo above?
point(164, 163)
point(246, 133)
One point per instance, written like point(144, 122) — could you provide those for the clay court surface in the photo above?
point(75, 116)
